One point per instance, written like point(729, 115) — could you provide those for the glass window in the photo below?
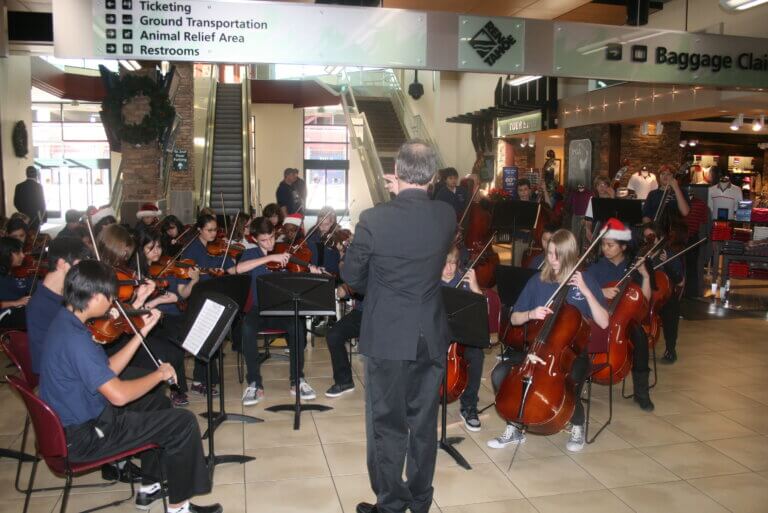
point(326, 187)
point(326, 138)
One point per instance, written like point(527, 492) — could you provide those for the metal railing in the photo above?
point(116, 195)
point(362, 140)
point(205, 181)
point(249, 178)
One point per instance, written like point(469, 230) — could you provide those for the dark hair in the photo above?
point(68, 249)
point(550, 228)
point(31, 172)
point(290, 171)
point(15, 224)
point(8, 246)
point(653, 226)
point(72, 216)
point(204, 219)
point(144, 237)
point(169, 221)
point(107, 221)
point(448, 172)
point(523, 181)
point(87, 279)
point(261, 226)
point(416, 162)
point(273, 210)
point(115, 244)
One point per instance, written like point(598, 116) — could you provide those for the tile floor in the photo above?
point(704, 449)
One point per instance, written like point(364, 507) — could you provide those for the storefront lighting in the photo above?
point(693, 142)
point(524, 79)
point(164, 67)
point(659, 128)
point(531, 141)
point(759, 123)
point(740, 5)
point(683, 143)
point(644, 128)
point(523, 143)
point(737, 123)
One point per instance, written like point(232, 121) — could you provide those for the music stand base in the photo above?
point(446, 444)
point(219, 419)
point(16, 455)
point(230, 458)
point(297, 409)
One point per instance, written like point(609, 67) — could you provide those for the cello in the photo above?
point(476, 225)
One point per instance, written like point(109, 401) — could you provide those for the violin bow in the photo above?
point(224, 213)
point(680, 253)
point(314, 228)
point(229, 241)
point(338, 223)
point(176, 257)
point(477, 258)
point(660, 208)
point(37, 271)
point(93, 239)
point(648, 254)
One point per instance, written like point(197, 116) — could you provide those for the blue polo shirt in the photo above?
point(173, 287)
point(457, 199)
point(72, 370)
point(536, 262)
point(653, 200)
point(12, 288)
point(253, 254)
point(604, 272)
point(322, 255)
point(455, 281)
point(41, 309)
point(536, 293)
point(199, 253)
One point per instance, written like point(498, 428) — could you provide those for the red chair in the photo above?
point(52, 447)
point(16, 346)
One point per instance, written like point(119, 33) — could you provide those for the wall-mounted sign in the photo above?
point(232, 31)
point(509, 180)
point(491, 44)
point(659, 56)
point(579, 162)
point(522, 124)
point(180, 160)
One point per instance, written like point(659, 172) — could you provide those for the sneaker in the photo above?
point(201, 389)
point(252, 395)
point(213, 508)
point(576, 441)
point(470, 418)
point(144, 500)
point(179, 399)
point(306, 391)
point(669, 357)
point(511, 435)
point(336, 390)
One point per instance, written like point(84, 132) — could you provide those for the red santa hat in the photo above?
point(149, 210)
point(294, 219)
point(102, 213)
point(617, 230)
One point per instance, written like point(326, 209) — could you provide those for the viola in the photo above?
point(457, 372)
point(128, 281)
point(542, 397)
point(219, 246)
point(24, 271)
point(300, 259)
point(107, 329)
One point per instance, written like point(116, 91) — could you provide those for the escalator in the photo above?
point(227, 166)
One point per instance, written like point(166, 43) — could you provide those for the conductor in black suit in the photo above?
point(28, 197)
point(396, 260)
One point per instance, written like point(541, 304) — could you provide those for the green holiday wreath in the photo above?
point(161, 112)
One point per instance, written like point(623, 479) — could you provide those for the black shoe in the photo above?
point(336, 390)
point(644, 402)
point(364, 507)
point(213, 508)
point(144, 500)
point(111, 472)
point(669, 357)
point(471, 420)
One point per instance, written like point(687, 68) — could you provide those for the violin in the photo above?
point(218, 247)
point(127, 282)
point(108, 329)
point(27, 271)
point(180, 269)
point(300, 259)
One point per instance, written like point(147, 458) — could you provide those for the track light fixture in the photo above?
point(759, 123)
point(737, 123)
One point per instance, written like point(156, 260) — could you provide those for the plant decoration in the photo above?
point(122, 91)
point(498, 194)
point(20, 139)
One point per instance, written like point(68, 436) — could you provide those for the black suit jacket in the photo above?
point(396, 258)
point(28, 199)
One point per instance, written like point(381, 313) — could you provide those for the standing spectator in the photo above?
point(288, 198)
point(29, 199)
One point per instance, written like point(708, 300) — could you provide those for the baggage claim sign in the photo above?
point(234, 31)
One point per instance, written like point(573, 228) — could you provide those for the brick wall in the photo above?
point(650, 150)
point(184, 104)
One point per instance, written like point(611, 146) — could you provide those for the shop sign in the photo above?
point(491, 44)
point(180, 160)
point(509, 177)
point(659, 56)
point(236, 31)
point(522, 124)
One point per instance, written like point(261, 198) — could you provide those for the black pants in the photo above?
point(474, 357)
point(252, 324)
point(149, 419)
point(401, 402)
point(15, 320)
point(344, 329)
point(162, 349)
point(640, 349)
point(692, 271)
point(670, 318)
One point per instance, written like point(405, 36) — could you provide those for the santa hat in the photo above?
point(294, 219)
point(616, 230)
point(102, 213)
point(149, 210)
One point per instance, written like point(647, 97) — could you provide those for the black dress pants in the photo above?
point(640, 349)
point(474, 357)
point(149, 419)
point(670, 319)
point(344, 329)
point(401, 403)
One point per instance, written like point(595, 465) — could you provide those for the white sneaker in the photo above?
point(511, 435)
point(252, 395)
point(576, 442)
point(306, 391)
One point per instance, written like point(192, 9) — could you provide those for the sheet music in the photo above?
point(206, 320)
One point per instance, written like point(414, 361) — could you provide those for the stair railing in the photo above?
point(249, 177)
point(116, 195)
point(362, 140)
point(210, 123)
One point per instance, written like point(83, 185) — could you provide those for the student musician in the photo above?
point(103, 217)
point(346, 328)
point(611, 267)
point(562, 255)
point(72, 226)
point(453, 276)
point(451, 192)
point(272, 212)
point(291, 230)
point(324, 253)
point(170, 231)
point(14, 292)
point(16, 229)
point(103, 414)
point(670, 312)
point(675, 200)
point(538, 260)
point(254, 261)
point(148, 216)
point(198, 250)
point(601, 188)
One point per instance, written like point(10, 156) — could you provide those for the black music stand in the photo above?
point(510, 217)
point(209, 319)
point(296, 294)
point(510, 282)
point(629, 212)
point(468, 323)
